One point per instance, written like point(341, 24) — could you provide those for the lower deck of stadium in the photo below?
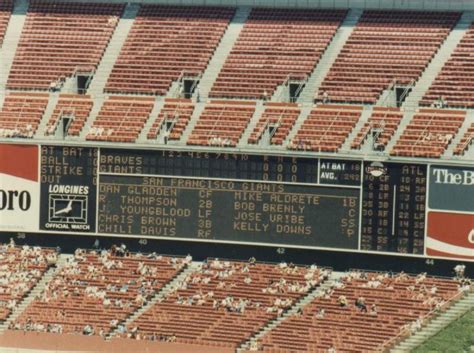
point(101, 295)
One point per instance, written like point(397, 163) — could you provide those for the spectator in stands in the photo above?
point(320, 314)
point(265, 95)
point(360, 304)
point(342, 301)
point(325, 96)
point(459, 270)
point(373, 310)
point(88, 330)
point(332, 349)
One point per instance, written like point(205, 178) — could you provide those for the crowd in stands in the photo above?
point(20, 270)
point(96, 290)
point(218, 302)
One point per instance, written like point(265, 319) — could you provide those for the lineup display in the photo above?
point(229, 210)
point(393, 209)
point(321, 203)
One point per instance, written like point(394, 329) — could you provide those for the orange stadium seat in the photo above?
point(164, 42)
point(326, 128)
point(385, 47)
point(178, 112)
point(121, 119)
point(273, 44)
point(429, 133)
point(73, 105)
point(454, 82)
point(384, 118)
point(280, 115)
point(21, 114)
point(5, 12)
point(222, 123)
point(59, 38)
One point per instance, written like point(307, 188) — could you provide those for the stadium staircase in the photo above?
point(11, 40)
point(170, 286)
point(441, 57)
point(35, 291)
point(453, 313)
point(142, 138)
point(305, 110)
point(462, 131)
point(259, 109)
point(199, 108)
point(112, 52)
point(407, 116)
point(40, 133)
point(317, 292)
point(222, 51)
point(329, 56)
point(98, 102)
point(366, 113)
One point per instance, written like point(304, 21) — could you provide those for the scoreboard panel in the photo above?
point(393, 209)
point(229, 210)
point(294, 201)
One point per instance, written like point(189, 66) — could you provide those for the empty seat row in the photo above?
point(165, 43)
point(429, 133)
point(60, 39)
point(326, 128)
point(274, 47)
point(379, 52)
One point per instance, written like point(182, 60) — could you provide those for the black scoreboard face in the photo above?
point(230, 197)
point(284, 201)
point(393, 209)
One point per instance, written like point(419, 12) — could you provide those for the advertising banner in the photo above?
point(450, 235)
point(19, 188)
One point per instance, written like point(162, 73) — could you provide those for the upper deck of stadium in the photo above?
point(357, 79)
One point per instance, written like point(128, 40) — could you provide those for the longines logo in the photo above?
point(68, 210)
point(447, 176)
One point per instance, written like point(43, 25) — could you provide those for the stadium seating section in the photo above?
point(121, 119)
point(21, 114)
point(382, 124)
point(324, 322)
point(216, 303)
point(326, 128)
point(172, 119)
point(94, 289)
point(385, 47)
point(465, 142)
point(164, 43)
point(222, 123)
point(429, 133)
point(273, 45)
point(73, 106)
point(277, 119)
point(224, 303)
point(60, 39)
point(167, 44)
point(20, 270)
point(454, 82)
point(6, 7)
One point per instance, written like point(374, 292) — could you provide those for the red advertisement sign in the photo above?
point(19, 188)
point(450, 235)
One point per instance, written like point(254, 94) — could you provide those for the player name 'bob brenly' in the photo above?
point(69, 189)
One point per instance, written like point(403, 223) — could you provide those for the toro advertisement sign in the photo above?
point(19, 188)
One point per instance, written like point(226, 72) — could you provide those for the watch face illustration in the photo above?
point(67, 208)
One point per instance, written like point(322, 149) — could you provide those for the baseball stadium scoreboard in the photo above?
point(351, 205)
